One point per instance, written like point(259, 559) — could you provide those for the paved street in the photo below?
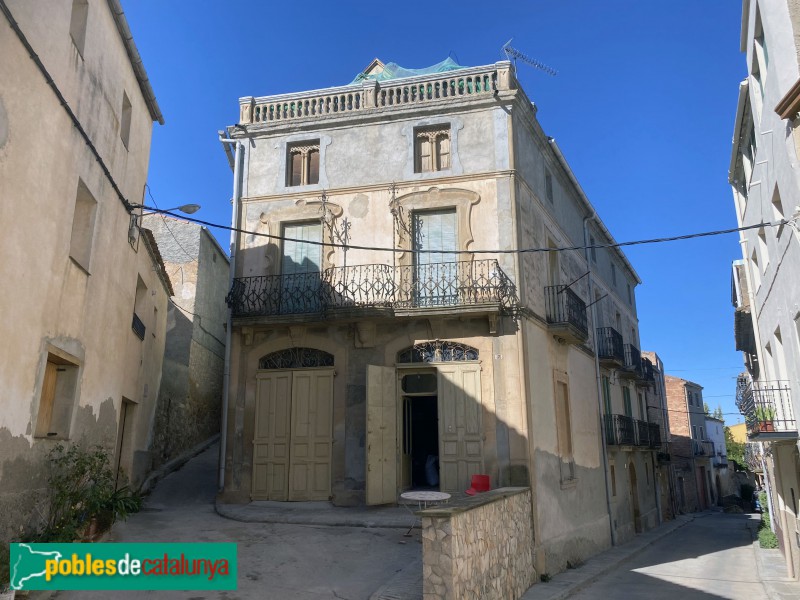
point(709, 558)
point(276, 561)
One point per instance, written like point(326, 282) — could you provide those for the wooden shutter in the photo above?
point(626, 396)
point(443, 146)
point(424, 155)
point(300, 256)
point(460, 435)
point(313, 166)
point(382, 446)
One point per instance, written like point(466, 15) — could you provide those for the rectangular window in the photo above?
point(606, 395)
point(125, 120)
point(548, 185)
point(755, 269)
point(83, 219)
point(630, 295)
point(77, 24)
point(431, 149)
point(694, 431)
point(301, 265)
point(626, 398)
point(59, 387)
point(613, 481)
point(303, 163)
point(642, 413)
point(777, 209)
point(593, 243)
point(564, 430)
point(614, 273)
point(702, 433)
point(138, 325)
point(435, 238)
point(762, 245)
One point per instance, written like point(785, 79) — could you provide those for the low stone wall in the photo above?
point(479, 547)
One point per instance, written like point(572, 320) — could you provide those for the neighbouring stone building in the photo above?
point(765, 180)
point(188, 411)
point(690, 447)
point(371, 340)
point(658, 413)
point(84, 296)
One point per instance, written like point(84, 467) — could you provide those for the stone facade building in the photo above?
point(765, 180)
point(384, 324)
point(691, 450)
point(84, 296)
point(188, 411)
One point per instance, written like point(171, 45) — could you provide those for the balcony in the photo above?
point(633, 362)
point(566, 314)
point(478, 286)
point(621, 430)
point(648, 371)
point(720, 461)
point(767, 409)
point(138, 326)
point(610, 349)
point(703, 448)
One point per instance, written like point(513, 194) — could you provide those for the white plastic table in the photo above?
point(423, 500)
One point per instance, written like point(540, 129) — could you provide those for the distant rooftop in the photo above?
point(378, 71)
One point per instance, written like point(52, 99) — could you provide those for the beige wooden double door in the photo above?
point(458, 396)
point(293, 435)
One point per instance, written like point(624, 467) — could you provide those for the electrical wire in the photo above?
point(688, 236)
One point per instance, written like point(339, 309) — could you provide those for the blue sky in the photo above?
point(642, 106)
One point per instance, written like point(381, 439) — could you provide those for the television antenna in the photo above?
point(513, 54)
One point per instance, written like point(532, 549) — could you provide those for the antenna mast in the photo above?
point(513, 54)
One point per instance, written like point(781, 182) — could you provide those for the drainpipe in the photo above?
point(226, 377)
point(603, 446)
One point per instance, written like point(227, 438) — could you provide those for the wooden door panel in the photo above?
point(271, 436)
point(460, 435)
point(311, 434)
point(382, 448)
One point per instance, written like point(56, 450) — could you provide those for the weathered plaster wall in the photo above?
point(50, 302)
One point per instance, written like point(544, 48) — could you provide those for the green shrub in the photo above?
point(82, 487)
point(766, 538)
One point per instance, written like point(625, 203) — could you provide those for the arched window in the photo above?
point(437, 351)
point(296, 358)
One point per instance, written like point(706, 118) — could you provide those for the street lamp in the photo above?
point(188, 209)
point(133, 229)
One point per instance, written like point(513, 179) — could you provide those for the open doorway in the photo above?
point(420, 468)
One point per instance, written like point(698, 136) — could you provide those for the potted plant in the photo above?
point(765, 415)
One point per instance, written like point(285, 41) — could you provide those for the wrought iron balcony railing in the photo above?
point(138, 326)
point(564, 308)
point(621, 430)
point(609, 345)
point(648, 370)
point(703, 448)
point(457, 284)
point(767, 409)
point(633, 361)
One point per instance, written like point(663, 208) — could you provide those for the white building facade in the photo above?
point(765, 178)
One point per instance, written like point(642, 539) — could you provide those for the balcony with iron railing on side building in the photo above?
point(648, 371)
point(622, 430)
point(566, 314)
point(477, 287)
point(767, 409)
point(720, 460)
point(370, 96)
point(633, 363)
point(610, 348)
point(703, 448)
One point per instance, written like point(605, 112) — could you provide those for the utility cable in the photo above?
point(688, 236)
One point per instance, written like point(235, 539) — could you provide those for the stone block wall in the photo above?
point(479, 547)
